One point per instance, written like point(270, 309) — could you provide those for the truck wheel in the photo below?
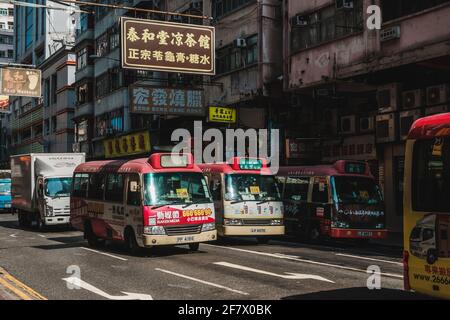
point(131, 243)
point(40, 224)
point(194, 246)
point(431, 256)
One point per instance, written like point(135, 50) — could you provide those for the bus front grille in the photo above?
point(256, 222)
point(186, 229)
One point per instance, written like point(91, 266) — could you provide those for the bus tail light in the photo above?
point(406, 283)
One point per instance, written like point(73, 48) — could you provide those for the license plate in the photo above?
point(185, 239)
point(365, 233)
point(254, 230)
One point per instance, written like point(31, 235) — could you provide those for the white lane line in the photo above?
point(367, 258)
point(304, 260)
point(104, 253)
point(14, 235)
point(287, 275)
point(41, 235)
point(202, 281)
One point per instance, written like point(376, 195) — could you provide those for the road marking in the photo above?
point(41, 235)
point(14, 235)
point(202, 281)
point(287, 275)
point(104, 253)
point(367, 258)
point(127, 295)
point(303, 260)
point(20, 289)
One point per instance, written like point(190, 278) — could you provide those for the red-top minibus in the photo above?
point(336, 201)
point(246, 198)
point(426, 209)
point(162, 200)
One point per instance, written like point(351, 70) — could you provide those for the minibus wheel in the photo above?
point(131, 243)
point(194, 246)
point(314, 233)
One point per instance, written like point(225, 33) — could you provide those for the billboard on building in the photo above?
point(167, 46)
point(20, 82)
point(169, 101)
point(222, 114)
point(4, 104)
point(130, 144)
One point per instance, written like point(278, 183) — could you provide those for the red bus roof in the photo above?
point(336, 169)
point(142, 165)
point(431, 127)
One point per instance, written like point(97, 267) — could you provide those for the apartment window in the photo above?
point(2, 25)
point(47, 92)
point(2, 54)
point(231, 57)
point(224, 7)
point(84, 25)
point(4, 39)
point(25, 134)
point(325, 25)
point(11, 12)
point(113, 40)
point(54, 88)
point(82, 131)
point(10, 25)
point(393, 9)
point(109, 123)
point(84, 93)
point(82, 58)
point(102, 85)
point(3, 12)
point(101, 45)
point(54, 124)
point(10, 54)
point(46, 127)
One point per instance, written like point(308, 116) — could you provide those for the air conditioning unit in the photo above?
point(345, 4)
point(413, 99)
point(388, 98)
point(407, 118)
point(386, 128)
point(347, 124)
point(437, 109)
point(300, 21)
point(366, 124)
point(240, 43)
point(438, 94)
point(391, 33)
point(76, 147)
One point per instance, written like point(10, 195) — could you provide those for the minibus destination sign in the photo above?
point(250, 164)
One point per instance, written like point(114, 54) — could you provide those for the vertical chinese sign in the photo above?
point(166, 101)
point(167, 46)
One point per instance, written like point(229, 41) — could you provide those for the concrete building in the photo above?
point(355, 92)
point(41, 34)
point(6, 32)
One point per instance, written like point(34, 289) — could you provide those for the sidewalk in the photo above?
point(394, 239)
point(13, 289)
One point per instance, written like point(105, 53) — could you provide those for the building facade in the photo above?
point(356, 91)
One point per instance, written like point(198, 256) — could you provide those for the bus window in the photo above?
point(296, 189)
point(175, 188)
point(133, 191)
point(114, 188)
point(96, 186)
point(251, 187)
point(356, 190)
point(320, 191)
point(216, 189)
point(431, 179)
point(80, 184)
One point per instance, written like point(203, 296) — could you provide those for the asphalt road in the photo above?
point(234, 269)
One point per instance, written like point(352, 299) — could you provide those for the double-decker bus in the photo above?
point(426, 213)
point(332, 201)
point(246, 198)
point(162, 200)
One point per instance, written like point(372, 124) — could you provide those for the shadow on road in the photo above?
point(359, 294)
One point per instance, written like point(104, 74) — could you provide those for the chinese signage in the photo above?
point(167, 46)
point(302, 149)
point(352, 148)
point(155, 100)
point(20, 82)
point(130, 144)
point(222, 114)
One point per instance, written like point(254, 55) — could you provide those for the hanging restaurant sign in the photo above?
point(167, 46)
point(169, 101)
point(20, 82)
point(222, 114)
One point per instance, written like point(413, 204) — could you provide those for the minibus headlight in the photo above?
point(233, 222)
point(276, 222)
point(208, 226)
point(379, 226)
point(157, 230)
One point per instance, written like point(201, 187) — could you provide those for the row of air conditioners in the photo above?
point(390, 97)
point(388, 127)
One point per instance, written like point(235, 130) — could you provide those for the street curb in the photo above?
point(13, 289)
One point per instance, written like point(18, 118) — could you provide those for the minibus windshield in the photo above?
point(251, 187)
point(58, 187)
point(175, 188)
point(356, 190)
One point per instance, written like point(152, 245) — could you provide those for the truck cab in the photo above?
point(5, 195)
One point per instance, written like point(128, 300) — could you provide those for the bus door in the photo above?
point(319, 208)
point(114, 201)
point(295, 198)
point(133, 206)
point(215, 186)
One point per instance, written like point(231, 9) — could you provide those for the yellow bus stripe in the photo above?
point(10, 282)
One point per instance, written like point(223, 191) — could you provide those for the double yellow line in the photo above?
point(17, 288)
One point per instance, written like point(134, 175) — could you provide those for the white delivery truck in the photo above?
point(41, 185)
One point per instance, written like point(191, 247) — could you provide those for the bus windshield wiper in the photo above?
point(238, 201)
point(264, 201)
point(195, 202)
